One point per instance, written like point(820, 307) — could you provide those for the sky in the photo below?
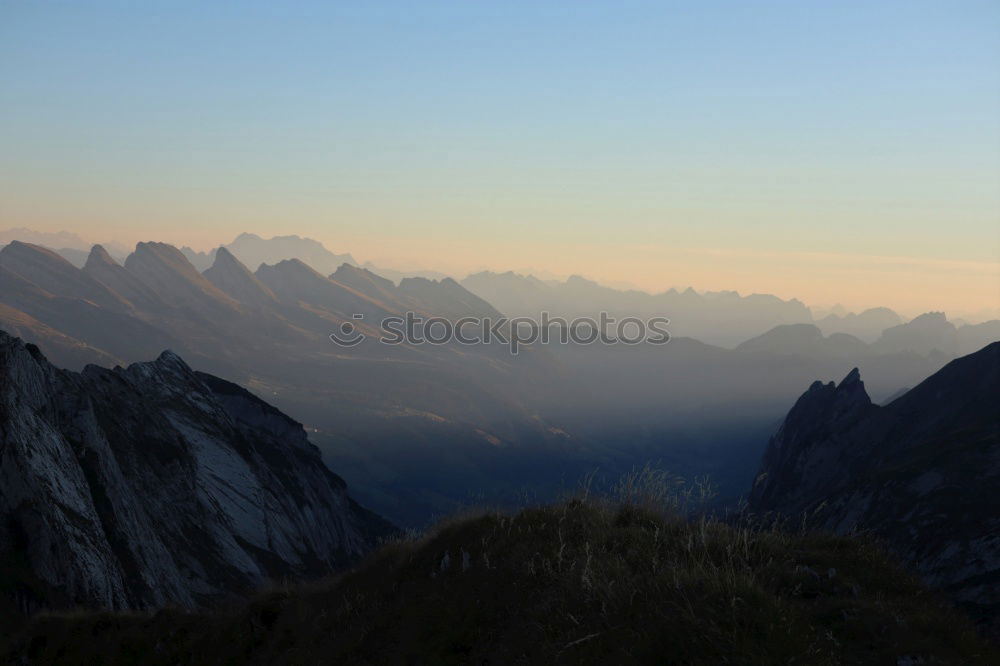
point(838, 152)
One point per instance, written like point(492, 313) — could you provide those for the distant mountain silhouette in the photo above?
point(66, 244)
point(397, 275)
point(294, 282)
point(722, 318)
point(252, 251)
point(164, 268)
point(921, 472)
point(419, 427)
point(59, 239)
point(86, 314)
point(976, 336)
point(102, 267)
point(235, 280)
point(49, 271)
point(805, 339)
point(927, 333)
point(867, 325)
point(446, 297)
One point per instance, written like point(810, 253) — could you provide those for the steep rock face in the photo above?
point(153, 485)
point(236, 281)
point(95, 327)
point(165, 269)
point(103, 268)
point(921, 472)
point(292, 281)
point(49, 271)
point(366, 282)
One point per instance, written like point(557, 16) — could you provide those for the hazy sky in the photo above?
point(833, 151)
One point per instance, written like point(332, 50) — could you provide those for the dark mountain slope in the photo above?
point(921, 472)
point(578, 583)
point(805, 339)
point(153, 485)
point(429, 298)
point(102, 267)
point(66, 350)
point(446, 298)
point(236, 281)
point(50, 272)
point(111, 332)
point(163, 268)
point(294, 282)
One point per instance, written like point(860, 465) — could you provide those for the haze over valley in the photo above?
point(499, 333)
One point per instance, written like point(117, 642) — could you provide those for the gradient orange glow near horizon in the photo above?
point(838, 154)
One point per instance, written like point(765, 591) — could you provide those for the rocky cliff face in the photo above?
point(922, 473)
point(154, 484)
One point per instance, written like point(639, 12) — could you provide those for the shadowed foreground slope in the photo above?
point(580, 582)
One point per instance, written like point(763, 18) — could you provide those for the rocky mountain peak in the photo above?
point(168, 359)
point(230, 276)
point(99, 256)
point(921, 472)
point(154, 485)
point(225, 258)
point(54, 274)
point(165, 269)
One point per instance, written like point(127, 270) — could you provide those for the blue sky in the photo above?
point(574, 136)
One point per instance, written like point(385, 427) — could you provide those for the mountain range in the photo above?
point(921, 473)
point(419, 430)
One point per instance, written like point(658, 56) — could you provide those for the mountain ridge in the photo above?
point(152, 485)
point(920, 472)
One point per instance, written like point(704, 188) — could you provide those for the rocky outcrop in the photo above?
point(921, 473)
point(154, 485)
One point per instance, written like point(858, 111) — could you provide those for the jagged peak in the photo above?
point(226, 259)
point(98, 256)
point(853, 377)
point(852, 390)
point(167, 366)
point(170, 358)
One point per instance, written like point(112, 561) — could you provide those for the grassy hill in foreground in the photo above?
point(579, 582)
